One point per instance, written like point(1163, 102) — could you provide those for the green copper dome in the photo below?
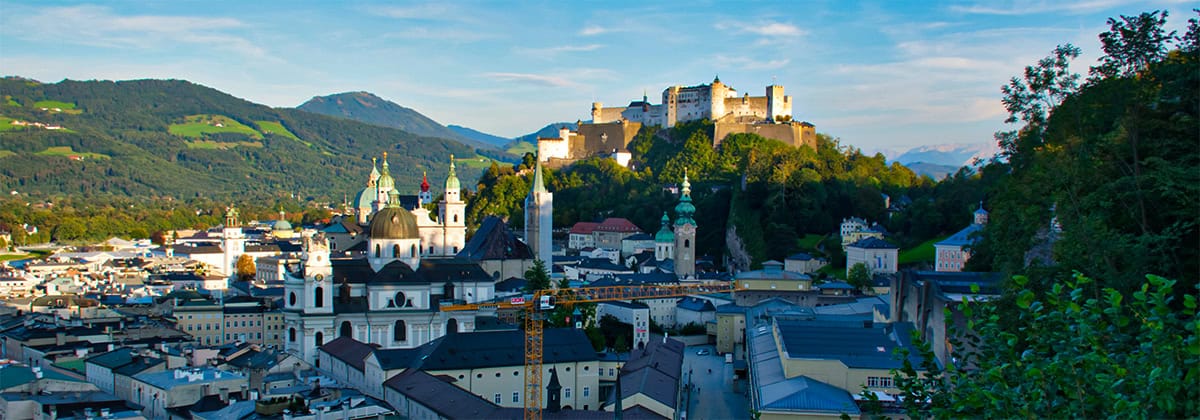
point(385, 180)
point(281, 225)
point(452, 179)
point(364, 198)
point(665, 234)
point(394, 222)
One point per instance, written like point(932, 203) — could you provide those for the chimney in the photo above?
point(224, 395)
point(204, 390)
point(245, 392)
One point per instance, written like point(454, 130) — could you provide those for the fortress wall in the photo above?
point(795, 134)
point(603, 138)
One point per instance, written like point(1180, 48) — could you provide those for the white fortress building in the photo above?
point(612, 128)
point(716, 101)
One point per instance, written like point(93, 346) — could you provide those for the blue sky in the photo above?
point(879, 75)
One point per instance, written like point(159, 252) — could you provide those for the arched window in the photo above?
point(448, 290)
point(292, 334)
point(687, 243)
point(451, 326)
point(346, 330)
point(412, 253)
point(319, 297)
point(377, 250)
point(320, 339)
point(400, 331)
point(456, 218)
point(396, 251)
point(292, 299)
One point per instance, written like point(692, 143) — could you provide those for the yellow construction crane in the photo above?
point(536, 304)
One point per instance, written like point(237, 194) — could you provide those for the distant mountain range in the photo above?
point(955, 155)
point(368, 108)
point(479, 136)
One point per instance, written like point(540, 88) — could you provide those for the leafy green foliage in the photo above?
point(859, 276)
point(1116, 159)
point(1075, 350)
point(537, 277)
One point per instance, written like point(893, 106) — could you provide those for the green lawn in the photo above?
point(6, 124)
point(273, 127)
point(221, 145)
point(520, 149)
point(8, 100)
point(197, 126)
point(809, 242)
point(66, 151)
point(7, 153)
point(51, 106)
point(920, 253)
point(477, 162)
point(836, 272)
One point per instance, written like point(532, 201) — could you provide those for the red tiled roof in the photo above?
point(584, 228)
point(617, 224)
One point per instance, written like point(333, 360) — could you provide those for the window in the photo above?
point(319, 297)
point(610, 372)
point(412, 252)
point(400, 299)
point(292, 335)
point(320, 338)
point(377, 250)
point(399, 331)
point(567, 392)
point(396, 251)
point(516, 397)
point(346, 329)
point(496, 398)
point(879, 382)
point(586, 392)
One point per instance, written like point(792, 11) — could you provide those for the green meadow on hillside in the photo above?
point(199, 126)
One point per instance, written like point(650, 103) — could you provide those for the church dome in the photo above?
point(394, 223)
point(665, 234)
point(364, 198)
point(281, 225)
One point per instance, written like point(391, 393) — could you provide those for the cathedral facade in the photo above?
point(391, 296)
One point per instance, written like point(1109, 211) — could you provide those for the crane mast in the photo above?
point(544, 300)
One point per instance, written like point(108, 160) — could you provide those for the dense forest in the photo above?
point(139, 139)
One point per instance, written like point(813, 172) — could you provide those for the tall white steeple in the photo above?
point(539, 221)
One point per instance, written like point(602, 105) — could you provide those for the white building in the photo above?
point(880, 256)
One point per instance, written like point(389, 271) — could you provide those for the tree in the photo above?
point(1132, 44)
point(620, 344)
point(245, 268)
point(536, 277)
point(1076, 350)
point(859, 276)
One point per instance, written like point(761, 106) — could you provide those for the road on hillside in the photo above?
point(716, 396)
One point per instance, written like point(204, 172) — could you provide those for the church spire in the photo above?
point(424, 182)
point(386, 183)
point(374, 176)
point(685, 209)
point(538, 185)
point(452, 183)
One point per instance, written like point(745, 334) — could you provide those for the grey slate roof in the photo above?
point(494, 241)
point(857, 343)
point(966, 236)
point(480, 349)
point(446, 400)
point(348, 350)
point(654, 371)
point(695, 304)
point(872, 242)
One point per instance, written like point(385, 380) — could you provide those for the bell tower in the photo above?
point(452, 216)
point(318, 275)
point(539, 207)
point(685, 232)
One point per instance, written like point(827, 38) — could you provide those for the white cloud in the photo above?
point(746, 63)
point(767, 29)
point(547, 52)
point(99, 26)
point(530, 78)
point(1038, 7)
point(592, 30)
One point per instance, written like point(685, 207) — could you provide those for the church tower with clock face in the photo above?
point(308, 299)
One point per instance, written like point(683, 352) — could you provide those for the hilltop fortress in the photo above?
point(612, 128)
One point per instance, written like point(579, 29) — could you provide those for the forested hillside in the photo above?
point(174, 138)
